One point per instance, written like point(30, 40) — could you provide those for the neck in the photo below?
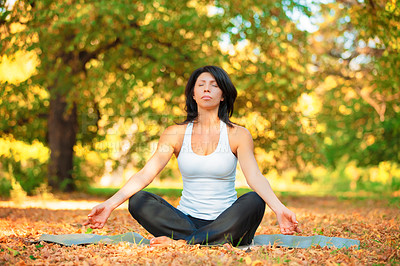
point(207, 119)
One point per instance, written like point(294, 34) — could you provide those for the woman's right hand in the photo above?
point(98, 216)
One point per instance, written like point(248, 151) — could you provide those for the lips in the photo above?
point(206, 97)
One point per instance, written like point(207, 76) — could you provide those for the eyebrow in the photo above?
point(206, 80)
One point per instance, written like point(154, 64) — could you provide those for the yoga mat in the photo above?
point(304, 241)
point(84, 239)
point(259, 240)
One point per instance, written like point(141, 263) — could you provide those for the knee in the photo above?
point(255, 200)
point(137, 200)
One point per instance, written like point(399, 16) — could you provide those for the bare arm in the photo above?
point(100, 213)
point(255, 179)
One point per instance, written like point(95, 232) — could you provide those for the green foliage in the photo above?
point(80, 177)
point(26, 164)
point(5, 187)
point(24, 111)
point(124, 65)
point(29, 176)
point(305, 177)
point(130, 60)
point(13, 252)
point(356, 58)
point(22, 164)
point(383, 179)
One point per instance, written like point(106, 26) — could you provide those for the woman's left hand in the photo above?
point(287, 221)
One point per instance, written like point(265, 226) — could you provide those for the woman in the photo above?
point(207, 146)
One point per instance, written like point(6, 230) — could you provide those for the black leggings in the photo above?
point(236, 225)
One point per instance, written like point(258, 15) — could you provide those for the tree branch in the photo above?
point(372, 4)
point(380, 108)
point(85, 57)
point(379, 104)
point(389, 98)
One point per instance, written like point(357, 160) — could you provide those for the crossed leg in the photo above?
point(236, 225)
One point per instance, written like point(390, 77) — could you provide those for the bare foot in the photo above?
point(228, 247)
point(163, 241)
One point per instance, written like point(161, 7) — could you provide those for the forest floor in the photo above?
point(376, 223)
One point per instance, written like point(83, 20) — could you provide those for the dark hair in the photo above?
point(229, 94)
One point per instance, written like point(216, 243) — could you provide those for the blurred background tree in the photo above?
point(356, 64)
point(98, 81)
point(357, 58)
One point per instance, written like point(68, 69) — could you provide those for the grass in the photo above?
point(340, 196)
point(163, 192)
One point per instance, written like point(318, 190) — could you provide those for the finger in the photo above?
point(298, 230)
point(92, 225)
point(89, 221)
point(93, 212)
point(293, 217)
point(86, 223)
point(290, 231)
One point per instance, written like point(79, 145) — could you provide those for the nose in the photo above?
point(207, 88)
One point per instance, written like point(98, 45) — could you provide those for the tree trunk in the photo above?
point(62, 129)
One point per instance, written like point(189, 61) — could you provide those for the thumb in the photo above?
point(293, 218)
point(296, 223)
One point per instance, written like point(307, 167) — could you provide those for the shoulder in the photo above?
point(239, 133)
point(175, 130)
point(239, 136)
point(173, 136)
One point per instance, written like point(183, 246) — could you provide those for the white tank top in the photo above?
point(208, 180)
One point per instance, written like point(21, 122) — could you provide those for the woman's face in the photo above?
point(206, 92)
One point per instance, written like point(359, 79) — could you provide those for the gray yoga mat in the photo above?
point(83, 239)
point(304, 241)
point(259, 240)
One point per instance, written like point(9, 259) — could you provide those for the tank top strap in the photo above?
point(186, 144)
point(224, 136)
